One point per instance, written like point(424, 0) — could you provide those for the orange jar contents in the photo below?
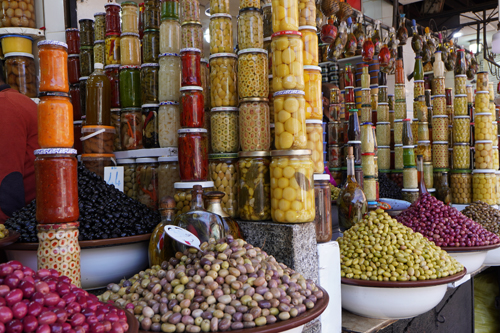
point(98, 139)
point(55, 121)
point(53, 56)
point(56, 185)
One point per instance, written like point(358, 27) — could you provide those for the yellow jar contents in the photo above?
point(384, 158)
point(482, 126)
point(254, 187)
point(370, 189)
point(440, 128)
point(315, 144)
point(383, 134)
point(253, 79)
point(285, 15)
point(461, 156)
point(460, 105)
point(483, 156)
point(224, 174)
point(482, 102)
point(287, 62)
point(461, 188)
point(290, 120)
point(398, 131)
point(221, 34)
point(460, 84)
point(310, 41)
point(399, 110)
point(461, 129)
point(368, 165)
point(410, 178)
point(223, 78)
point(383, 112)
point(484, 187)
point(440, 156)
point(313, 95)
point(424, 149)
point(439, 105)
point(398, 157)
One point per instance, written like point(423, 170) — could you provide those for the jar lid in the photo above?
point(424, 142)
point(289, 92)
point(399, 145)
point(125, 161)
point(147, 160)
point(190, 49)
point(307, 27)
point(152, 30)
point(383, 123)
point(130, 67)
point(191, 130)
point(69, 55)
point(72, 29)
point(270, 76)
point(168, 159)
point(100, 14)
point(253, 99)
point(252, 50)
point(384, 147)
point(442, 96)
point(129, 34)
point(189, 185)
point(219, 156)
point(398, 120)
point(461, 171)
point(221, 15)
point(112, 4)
point(285, 33)
point(24, 54)
point(83, 78)
point(151, 105)
point(186, 88)
point(461, 95)
point(460, 144)
point(115, 110)
point(478, 170)
point(169, 54)
point(112, 66)
point(310, 67)
point(418, 81)
point(54, 151)
point(383, 103)
point(152, 64)
point(261, 153)
point(133, 109)
point(482, 92)
point(461, 117)
point(169, 103)
point(313, 121)
point(204, 61)
point(354, 142)
point(440, 116)
point(100, 41)
point(440, 142)
point(85, 19)
point(267, 5)
point(409, 167)
point(129, 3)
point(49, 42)
point(224, 108)
point(50, 93)
point(409, 147)
point(483, 114)
point(248, 9)
point(321, 176)
point(365, 89)
point(86, 48)
point(297, 152)
point(367, 123)
point(221, 55)
point(411, 190)
point(267, 39)
point(78, 122)
point(484, 141)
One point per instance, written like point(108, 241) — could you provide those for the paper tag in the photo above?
point(114, 176)
point(183, 236)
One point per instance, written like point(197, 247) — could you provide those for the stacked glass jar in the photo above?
point(410, 180)
point(73, 42)
point(399, 115)
point(85, 40)
point(56, 177)
point(335, 136)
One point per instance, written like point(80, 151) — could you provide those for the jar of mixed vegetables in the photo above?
point(132, 126)
point(169, 122)
point(223, 78)
point(193, 154)
point(129, 176)
point(147, 182)
point(149, 83)
point(224, 174)
point(254, 124)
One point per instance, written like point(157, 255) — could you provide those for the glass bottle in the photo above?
point(160, 244)
point(460, 63)
point(377, 37)
point(443, 191)
point(438, 67)
point(348, 76)
point(368, 48)
point(452, 56)
point(353, 129)
point(328, 32)
point(359, 33)
point(351, 44)
point(351, 202)
point(198, 221)
point(416, 41)
point(339, 44)
point(400, 71)
point(402, 32)
point(98, 101)
point(231, 227)
point(384, 55)
point(418, 70)
point(407, 134)
point(427, 47)
point(422, 189)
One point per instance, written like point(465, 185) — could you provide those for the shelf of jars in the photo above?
point(36, 34)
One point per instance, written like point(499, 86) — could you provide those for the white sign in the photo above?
point(114, 176)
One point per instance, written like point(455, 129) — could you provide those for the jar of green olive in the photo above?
point(461, 186)
point(254, 186)
point(223, 172)
point(183, 196)
point(129, 176)
point(225, 130)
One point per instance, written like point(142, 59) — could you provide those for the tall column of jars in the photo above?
point(410, 179)
point(335, 136)
point(384, 151)
point(491, 90)
point(56, 177)
point(399, 115)
point(73, 42)
point(352, 131)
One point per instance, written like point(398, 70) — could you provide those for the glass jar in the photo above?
point(250, 29)
point(147, 182)
point(130, 17)
point(169, 10)
point(368, 165)
point(132, 126)
point(323, 218)
point(74, 94)
point(383, 112)
point(254, 124)
point(183, 195)
point(193, 154)
point(99, 26)
point(400, 110)
point(287, 61)
point(410, 177)
point(112, 18)
point(334, 132)
point(221, 34)
point(53, 58)
point(410, 195)
point(191, 70)
point(460, 84)
point(149, 83)
point(483, 156)
point(482, 127)
point(225, 130)
point(113, 74)
point(151, 127)
point(99, 50)
point(169, 123)
point(83, 95)
point(440, 158)
point(313, 93)
point(484, 186)
point(219, 7)
point(170, 36)
point(190, 10)
point(314, 130)
point(205, 80)
point(129, 176)
point(151, 46)
point(55, 121)
point(86, 60)
point(461, 156)
point(73, 67)
point(223, 80)
point(424, 148)
point(58, 249)
point(151, 15)
point(254, 186)
point(334, 156)
point(310, 42)
point(73, 40)
point(384, 133)
point(398, 157)
point(285, 16)
point(461, 129)
point(98, 139)
point(192, 107)
point(292, 190)
point(130, 87)
point(115, 122)
point(460, 105)
point(440, 128)
point(192, 35)
point(307, 13)
point(169, 77)
point(267, 20)
point(20, 73)
point(224, 173)
point(168, 175)
point(130, 49)
point(290, 131)
point(482, 102)
point(253, 79)
point(428, 175)
point(56, 185)
point(461, 186)
point(86, 32)
point(439, 105)
point(384, 157)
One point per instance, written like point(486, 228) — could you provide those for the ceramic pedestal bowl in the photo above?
point(471, 257)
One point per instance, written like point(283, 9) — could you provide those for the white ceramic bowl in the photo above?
point(471, 257)
point(492, 257)
point(397, 206)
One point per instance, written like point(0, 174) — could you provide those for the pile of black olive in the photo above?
point(105, 212)
point(388, 188)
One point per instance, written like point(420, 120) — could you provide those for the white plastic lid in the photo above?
point(383, 123)
point(126, 161)
point(168, 159)
point(461, 95)
point(21, 54)
point(484, 141)
point(483, 171)
point(440, 142)
point(308, 27)
point(313, 121)
point(98, 66)
point(310, 67)
point(147, 160)
point(191, 88)
point(224, 108)
point(319, 176)
point(409, 190)
point(440, 116)
point(185, 185)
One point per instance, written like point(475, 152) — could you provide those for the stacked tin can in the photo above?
point(56, 176)
point(335, 136)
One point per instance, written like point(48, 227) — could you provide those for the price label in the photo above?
point(183, 236)
point(114, 176)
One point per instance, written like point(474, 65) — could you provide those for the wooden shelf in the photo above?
point(36, 34)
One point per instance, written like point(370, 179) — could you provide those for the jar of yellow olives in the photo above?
point(310, 41)
point(398, 131)
point(223, 92)
point(483, 127)
point(483, 155)
point(494, 131)
point(440, 128)
point(224, 124)
point(384, 157)
point(183, 196)
point(440, 158)
point(484, 186)
point(223, 172)
point(423, 131)
point(400, 110)
point(313, 95)
point(398, 156)
point(496, 162)
point(461, 186)
point(253, 79)
point(314, 129)
point(250, 28)
point(285, 15)
point(482, 102)
point(460, 83)
point(287, 60)
point(254, 186)
point(221, 34)
point(439, 105)
point(461, 156)
point(428, 174)
point(290, 119)
point(482, 81)
point(461, 126)
point(460, 105)
point(292, 186)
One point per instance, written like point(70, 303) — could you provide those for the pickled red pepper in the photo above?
point(191, 70)
point(134, 131)
point(192, 107)
point(193, 154)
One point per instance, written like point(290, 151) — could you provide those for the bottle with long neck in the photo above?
point(231, 227)
point(461, 63)
point(377, 37)
point(353, 129)
point(359, 33)
point(416, 42)
point(368, 49)
point(402, 31)
point(160, 244)
point(418, 70)
point(422, 189)
point(98, 98)
point(351, 43)
point(384, 56)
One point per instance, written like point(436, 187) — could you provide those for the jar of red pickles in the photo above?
point(73, 40)
point(192, 107)
point(73, 68)
point(56, 185)
point(53, 56)
point(113, 74)
point(191, 70)
point(193, 154)
point(112, 17)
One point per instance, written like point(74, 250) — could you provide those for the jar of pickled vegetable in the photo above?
point(323, 219)
point(292, 189)
point(496, 161)
point(168, 175)
point(151, 128)
point(53, 57)
point(287, 66)
point(483, 156)
point(147, 182)
point(130, 17)
point(254, 124)
point(461, 156)
point(99, 26)
point(193, 154)
point(484, 186)
point(460, 84)
point(74, 94)
point(170, 36)
point(285, 16)
point(169, 77)
point(224, 174)
point(313, 93)
point(190, 10)
point(410, 177)
point(130, 86)
point(73, 40)
point(314, 130)
point(98, 139)
point(410, 195)
point(192, 35)
point(400, 110)
point(221, 34)
point(461, 129)
point(149, 83)
point(130, 49)
point(99, 52)
point(440, 128)
point(290, 131)
point(334, 156)
point(151, 46)
point(20, 73)
point(482, 102)
point(482, 126)
point(460, 105)
point(113, 74)
point(86, 32)
point(334, 132)
point(55, 121)
point(112, 18)
point(253, 79)
point(130, 178)
point(73, 67)
point(424, 149)
point(56, 185)
point(225, 130)
point(183, 196)
point(267, 20)
point(83, 95)
point(440, 158)
point(168, 123)
point(223, 67)
point(384, 157)
point(383, 133)
point(191, 70)
point(115, 122)
point(461, 186)
point(151, 14)
point(132, 125)
point(205, 81)
point(250, 29)
point(439, 105)
point(398, 157)
point(169, 10)
point(310, 42)
point(192, 107)
point(86, 60)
